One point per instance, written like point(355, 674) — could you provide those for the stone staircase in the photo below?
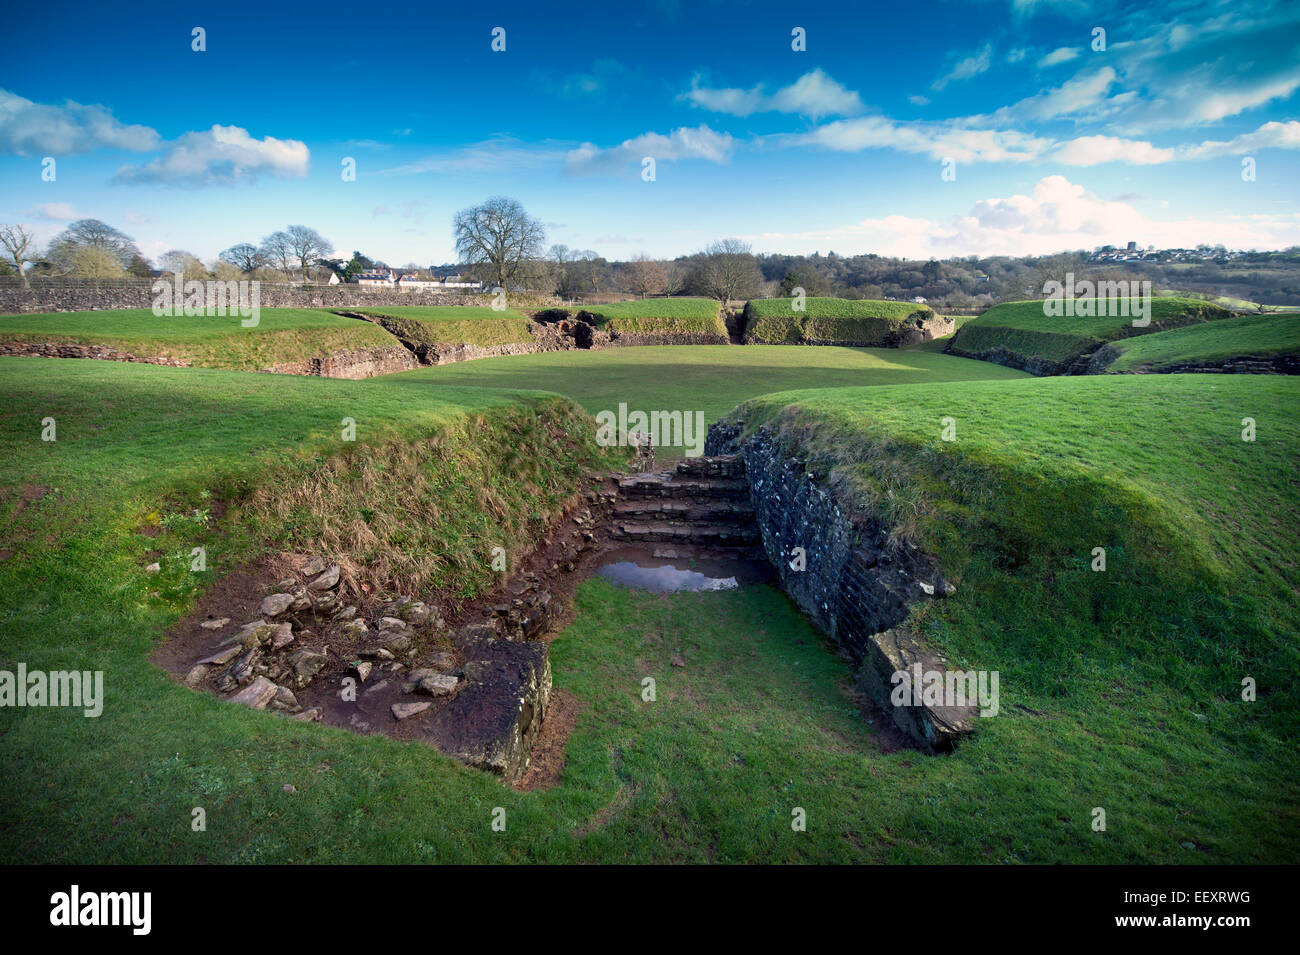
point(704, 503)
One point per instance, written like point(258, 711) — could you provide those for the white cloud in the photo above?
point(937, 140)
point(966, 68)
point(684, 143)
point(919, 100)
point(1057, 216)
point(814, 95)
point(498, 155)
point(1091, 150)
point(54, 212)
point(37, 129)
point(222, 155)
point(1269, 136)
point(1061, 54)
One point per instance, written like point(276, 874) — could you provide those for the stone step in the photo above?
point(678, 509)
point(718, 465)
point(664, 532)
point(666, 485)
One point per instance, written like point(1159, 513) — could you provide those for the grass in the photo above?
point(1124, 704)
point(658, 316)
point(1022, 330)
point(774, 320)
point(1248, 335)
point(712, 379)
point(281, 335)
point(455, 324)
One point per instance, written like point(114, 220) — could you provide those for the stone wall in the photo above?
point(856, 583)
point(84, 298)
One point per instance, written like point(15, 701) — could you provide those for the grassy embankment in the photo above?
point(774, 321)
point(1021, 334)
point(1261, 336)
point(281, 335)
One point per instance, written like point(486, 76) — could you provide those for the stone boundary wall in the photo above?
point(16, 301)
point(1236, 365)
point(857, 585)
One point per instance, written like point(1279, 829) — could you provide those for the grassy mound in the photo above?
point(1262, 336)
point(658, 316)
point(1139, 667)
point(829, 320)
point(454, 324)
point(282, 335)
point(1019, 334)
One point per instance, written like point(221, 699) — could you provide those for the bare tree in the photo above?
point(498, 238)
point(727, 271)
point(18, 244)
point(308, 246)
point(181, 262)
point(674, 278)
point(277, 249)
point(646, 276)
point(83, 234)
point(245, 256)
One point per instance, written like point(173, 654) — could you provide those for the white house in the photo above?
point(376, 278)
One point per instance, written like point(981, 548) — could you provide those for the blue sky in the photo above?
point(1054, 144)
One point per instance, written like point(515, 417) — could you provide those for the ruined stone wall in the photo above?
point(856, 584)
point(14, 300)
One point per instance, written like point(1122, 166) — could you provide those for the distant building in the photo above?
point(376, 278)
point(1132, 246)
point(334, 278)
point(919, 299)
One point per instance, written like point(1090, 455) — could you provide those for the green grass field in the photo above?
point(281, 335)
point(774, 320)
point(1119, 685)
point(1022, 329)
point(455, 324)
point(708, 378)
point(1248, 335)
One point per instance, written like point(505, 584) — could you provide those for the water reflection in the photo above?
point(663, 580)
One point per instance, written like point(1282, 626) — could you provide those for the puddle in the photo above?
point(663, 580)
point(679, 574)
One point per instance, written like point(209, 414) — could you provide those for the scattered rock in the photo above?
point(326, 581)
point(353, 628)
point(153, 568)
point(677, 660)
point(361, 670)
point(306, 665)
point(224, 656)
point(437, 684)
point(197, 675)
point(404, 711)
point(215, 624)
point(257, 694)
point(288, 788)
point(313, 567)
point(309, 716)
point(282, 636)
point(276, 604)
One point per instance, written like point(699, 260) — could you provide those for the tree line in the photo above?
point(499, 243)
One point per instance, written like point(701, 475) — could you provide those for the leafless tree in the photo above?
point(727, 271)
point(277, 249)
point(497, 238)
point(308, 246)
point(245, 256)
point(181, 262)
point(646, 276)
point(65, 251)
point(18, 244)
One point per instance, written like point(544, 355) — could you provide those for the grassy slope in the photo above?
point(1258, 335)
point(695, 316)
point(827, 319)
point(456, 324)
point(708, 378)
point(1137, 671)
point(1022, 328)
point(281, 335)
